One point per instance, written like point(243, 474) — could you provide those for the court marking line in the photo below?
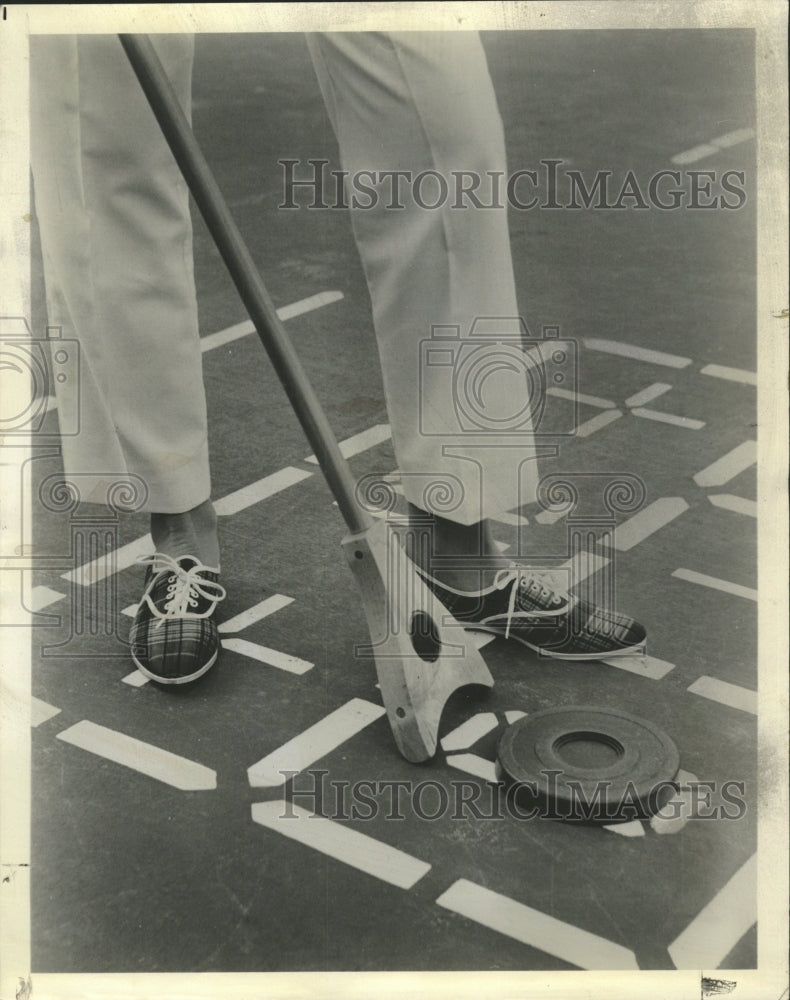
point(647, 521)
point(42, 597)
point(358, 443)
point(245, 328)
point(596, 423)
point(721, 924)
point(41, 711)
point(643, 666)
point(535, 929)
point(648, 394)
point(110, 563)
point(145, 758)
point(633, 828)
point(511, 519)
point(695, 153)
point(731, 374)
point(714, 583)
point(135, 679)
point(738, 505)
point(344, 844)
point(636, 353)
point(713, 146)
point(256, 613)
point(732, 695)
point(261, 489)
point(550, 516)
point(580, 397)
point(469, 732)
point(736, 461)
point(271, 657)
point(314, 743)
point(478, 767)
point(582, 565)
point(689, 423)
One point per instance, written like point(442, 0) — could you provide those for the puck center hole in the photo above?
point(424, 636)
point(584, 748)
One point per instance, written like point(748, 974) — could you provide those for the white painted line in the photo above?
point(40, 711)
point(647, 521)
point(739, 505)
point(361, 442)
point(308, 305)
point(714, 932)
point(478, 767)
point(669, 418)
point(535, 929)
point(550, 516)
point(582, 565)
point(130, 611)
point(697, 153)
point(632, 829)
point(469, 732)
point(580, 397)
point(726, 693)
point(135, 679)
point(515, 715)
point(508, 517)
point(222, 337)
point(643, 666)
point(731, 374)
point(341, 843)
point(733, 138)
point(104, 566)
point(647, 395)
point(260, 490)
point(145, 758)
point(728, 466)
point(314, 743)
point(271, 657)
point(256, 613)
point(637, 353)
point(716, 584)
point(597, 423)
point(42, 597)
point(244, 329)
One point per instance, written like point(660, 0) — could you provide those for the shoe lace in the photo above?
point(185, 586)
point(521, 577)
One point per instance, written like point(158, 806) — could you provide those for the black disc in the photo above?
point(592, 764)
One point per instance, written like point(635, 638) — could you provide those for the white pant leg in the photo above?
point(117, 243)
point(416, 102)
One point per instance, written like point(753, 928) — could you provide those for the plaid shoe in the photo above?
point(174, 638)
point(519, 605)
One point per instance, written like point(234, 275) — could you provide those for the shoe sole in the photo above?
point(638, 650)
point(175, 680)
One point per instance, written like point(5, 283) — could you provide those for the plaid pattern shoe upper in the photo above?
point(174, 638)
point(519, 605)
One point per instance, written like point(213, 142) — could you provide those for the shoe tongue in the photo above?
point(187, 562)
